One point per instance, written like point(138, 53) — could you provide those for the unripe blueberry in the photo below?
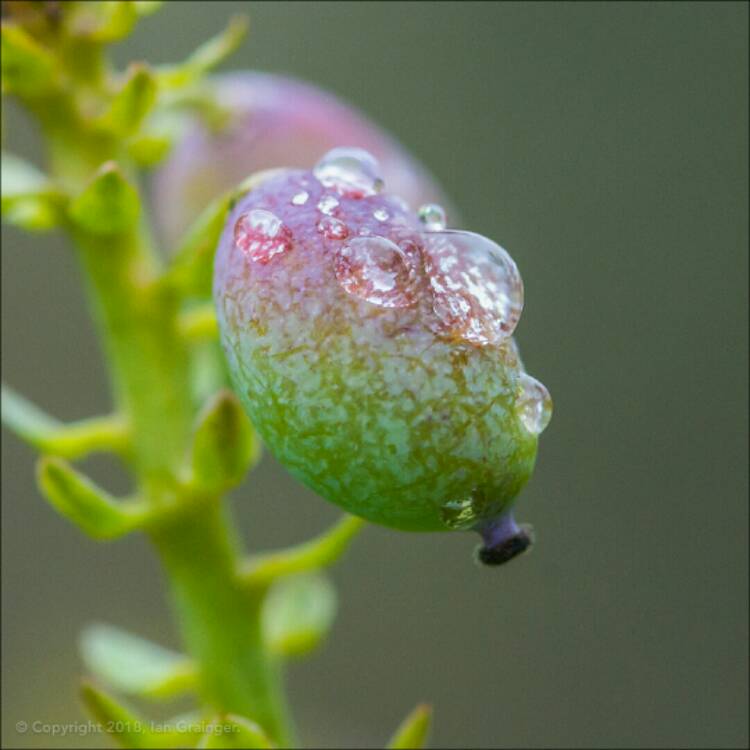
point(373, 350)
point(274, 121)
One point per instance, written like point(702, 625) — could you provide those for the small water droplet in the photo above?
point(327, 205)
point(477, 290)
point(432, 217)
point(350, 171)
point(459, 514)
point(533, 405)
point(376, 270)
point(332, 228)
point(301, 198)
point(262, 235)
point(381, 214)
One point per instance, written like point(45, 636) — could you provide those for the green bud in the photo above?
point(28, 68)
point(224, 444)
point(134, 665)
point(413, 732)
point(298, 613)
point(232, 731)
point(108, 205)
point(131, 103)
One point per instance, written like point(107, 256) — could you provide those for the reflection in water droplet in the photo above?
point(432, 217)
point(332, 228)
point(376, 270)
point(327, 205)
point(301, 198)
point(477, 290)
point(459, 514)
point(262, 235)
point(380, 214)
point(533, 405)
point(350, 171)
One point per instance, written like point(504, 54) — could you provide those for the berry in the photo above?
point(377, 362)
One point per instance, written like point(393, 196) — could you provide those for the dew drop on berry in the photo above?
point(262, 235)
point(463, 513)
point(533, 405)
point(327, 205)
point(381, 214)
point(300, 198)
point(476, 288)
point(332, 228)
point(432, 217)
point(376, 270)
point(352, 172)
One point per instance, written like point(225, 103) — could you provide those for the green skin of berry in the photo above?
point(379, 410)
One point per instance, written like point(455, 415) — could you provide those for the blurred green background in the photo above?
point(605, 145)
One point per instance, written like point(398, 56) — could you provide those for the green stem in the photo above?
point(220, 622)
point(148, 354)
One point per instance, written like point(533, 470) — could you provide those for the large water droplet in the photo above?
point(262, 235)
point(350, 171)
point(376, 270)
point(332, 228)
point(533, 405)
point(477, 290)
point(459, 514)
point(432, 217)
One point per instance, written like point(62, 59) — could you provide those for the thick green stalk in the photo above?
point(137, 317)
point(221, 621)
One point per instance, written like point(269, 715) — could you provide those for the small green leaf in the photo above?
point(134, 665)
point(224, 443)
point(297, 613)
point(207, 56)
point(49, 435)
point(103, 21)
point(413, 732)
point(123, 724)
point(258, 571)
point(232, 731)
point(108, 205)
point(27, 67)
point(29, 200)
point(78, 499)
point(19, 177)
point(148, 149)
point(147, 7)
point(131, 103)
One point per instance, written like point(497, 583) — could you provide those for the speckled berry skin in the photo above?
point(274, 121)
point(381, 410)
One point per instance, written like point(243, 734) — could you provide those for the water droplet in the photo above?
point(350, 171)
point(301, 198)
point(380, 214)
point(327, 205)
point(262, 235)
point(376, 270)
point(432, 217)
point(477, 290)
point(459, 514)
point(534, 404)
point(332, 228)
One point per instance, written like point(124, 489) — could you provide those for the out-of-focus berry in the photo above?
point(274, 121)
